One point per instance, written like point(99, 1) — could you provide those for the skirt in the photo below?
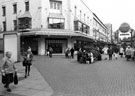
point(8, 78)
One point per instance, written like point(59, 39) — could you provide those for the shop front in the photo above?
point(58, 45)
point(59, 40)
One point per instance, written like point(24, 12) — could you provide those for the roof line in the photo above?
point(86, 5)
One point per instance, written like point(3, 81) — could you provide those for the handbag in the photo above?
point(15, 78)
point(3, 79)
point(24, 62)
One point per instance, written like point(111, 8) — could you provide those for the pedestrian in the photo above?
point(72, 52)
point(79, 54)
point(105, 49)
point(47, 52)
point(50, 52)
point(8, 70)
point(29, 48)
point(121, 51)
point(128, 53)
point(67, 51)
point(91, 57)
point(116, 51)
point(28, 62)
point(110, 53)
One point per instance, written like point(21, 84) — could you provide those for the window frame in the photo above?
point(4, 25)
point(3, 10)
point(79, 26)
point(27, 6)
point(15, 24)
point(60, 19)
point(15, 8)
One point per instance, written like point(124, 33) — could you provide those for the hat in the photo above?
point(128, 46)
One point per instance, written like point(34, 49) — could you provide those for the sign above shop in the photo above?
point(124, 27)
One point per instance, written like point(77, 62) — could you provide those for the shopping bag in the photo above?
point(15, 78)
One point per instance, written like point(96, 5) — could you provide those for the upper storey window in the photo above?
point(27, 6)
point(14, 8)
point(4, 10)
point(55, 6)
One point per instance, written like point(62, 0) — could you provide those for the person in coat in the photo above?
point(110, 53)
point(105, 49)
point(28, 62)
point(128, 53)
point(8, 70)
point(116, 51)
point(121, 51)
point(50, 51)
point(72, 52)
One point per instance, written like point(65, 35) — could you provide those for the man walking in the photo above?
point(110, 52)
point(116, 51)
point(72, 52)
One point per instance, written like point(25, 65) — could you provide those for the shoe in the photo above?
point(25, 76)
point(5, 86)
point(8, 89)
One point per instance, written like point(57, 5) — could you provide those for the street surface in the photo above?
point(103, 78)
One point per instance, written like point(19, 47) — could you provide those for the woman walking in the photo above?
point(27, 62)
point(8, 70)
point(121, 51)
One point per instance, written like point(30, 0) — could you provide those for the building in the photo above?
point(110, 32)
point(50, 23)
point(100, 31)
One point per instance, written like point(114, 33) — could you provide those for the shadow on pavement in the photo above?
point(10, 94)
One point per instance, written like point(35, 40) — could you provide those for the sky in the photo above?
point(115, 12)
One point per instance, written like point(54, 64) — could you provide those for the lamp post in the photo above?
point(131, 37)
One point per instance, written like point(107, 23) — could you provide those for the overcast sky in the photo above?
point(114, 11)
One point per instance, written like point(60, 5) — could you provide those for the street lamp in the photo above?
point(132, 30)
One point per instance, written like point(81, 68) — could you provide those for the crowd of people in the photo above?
point(89, 55)
point(69, 52)
point(95, 54)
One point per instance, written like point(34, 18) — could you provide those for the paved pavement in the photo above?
point(59, 76)
point(34, 85)
point(103, 78)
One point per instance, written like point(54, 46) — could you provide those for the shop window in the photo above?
point(56, 23)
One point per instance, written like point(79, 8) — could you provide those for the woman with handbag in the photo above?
point(8, 70)
point(27, 62)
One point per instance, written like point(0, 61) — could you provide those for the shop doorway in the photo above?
point(57, 47)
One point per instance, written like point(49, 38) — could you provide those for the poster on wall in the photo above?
point(11, 44)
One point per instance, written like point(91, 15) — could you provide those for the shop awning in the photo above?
point(57, 32)
point(56, 15)
point(25, 15)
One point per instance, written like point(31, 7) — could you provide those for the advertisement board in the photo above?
point(11, 43)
